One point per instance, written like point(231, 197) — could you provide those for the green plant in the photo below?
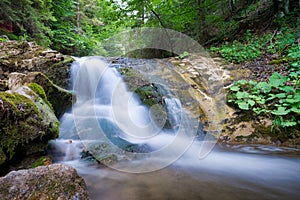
point(3, 39)
point(276, 99)
point(39, 162)
point(249, 48)
point(282, 40)
point(184, 55)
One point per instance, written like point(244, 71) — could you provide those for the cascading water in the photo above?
point(110, 122)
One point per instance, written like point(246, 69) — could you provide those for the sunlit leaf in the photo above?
point(276, 79)
point(264, 86)
point(243, 105)
point(241, 95)
point(235, 88)
point(280, 111)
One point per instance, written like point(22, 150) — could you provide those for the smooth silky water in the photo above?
point(228, 172)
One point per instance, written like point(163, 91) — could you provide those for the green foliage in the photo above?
point(240, 51)
point(283, 39)
point(16, 109)
point(3, 39)
point(39, 162)
point(184, 55)
point(294, 58)
point(276, 98)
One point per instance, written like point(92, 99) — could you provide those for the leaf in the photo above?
point(264, 86)
point(243, 105)
point(271, 96)
point(288, 123)
point(287, 89)
point(242, 82)
point(255, 97)
point(277, 80)
point(292, 100)
point(251, 102)
point(296, 110)
point(262, 101)
point(281, 95)
point(259, 110)
point(241, 95)
point(251, 82)
point(235, 88)
point(280, 111)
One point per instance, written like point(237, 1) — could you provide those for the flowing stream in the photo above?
point(146, 161)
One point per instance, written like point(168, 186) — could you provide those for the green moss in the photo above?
point(54, 127)
point(66, 60)
point(59, 98)
point(39, 162)
point(147, 95)
point(15, 108)
point(24, 128)
point(40, 91)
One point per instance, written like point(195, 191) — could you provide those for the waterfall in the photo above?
point(103, 98)
point(110, 121)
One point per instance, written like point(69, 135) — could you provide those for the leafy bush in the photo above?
point(279, 98)
point(240, 51)
point(282, 40)
point(294, 57)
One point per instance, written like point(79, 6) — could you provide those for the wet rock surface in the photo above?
point(54, 181)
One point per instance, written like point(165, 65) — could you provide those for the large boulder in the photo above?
point(25, 57)
point(60, 99)
point(54, 181)
point(27, 122)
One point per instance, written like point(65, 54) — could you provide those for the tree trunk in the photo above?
point(201, 33)
point(78, 18)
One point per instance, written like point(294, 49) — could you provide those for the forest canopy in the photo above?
point(78, 27)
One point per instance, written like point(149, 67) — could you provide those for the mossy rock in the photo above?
point(59, 98)
point(54, 181)
point(26, 125)
point(59, 72)
point(26, 57)
point(40, 91)
point(151, 95)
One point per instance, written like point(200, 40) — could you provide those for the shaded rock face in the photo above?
point(54, 181)
point(60, 99)
point(25, 57)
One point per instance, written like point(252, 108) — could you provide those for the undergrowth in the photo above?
point(279, 97)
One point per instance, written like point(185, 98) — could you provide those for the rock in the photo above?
point(151, 94)
point(27, 123)
point(54, 181)
point(26, 57)
point(60, 99)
